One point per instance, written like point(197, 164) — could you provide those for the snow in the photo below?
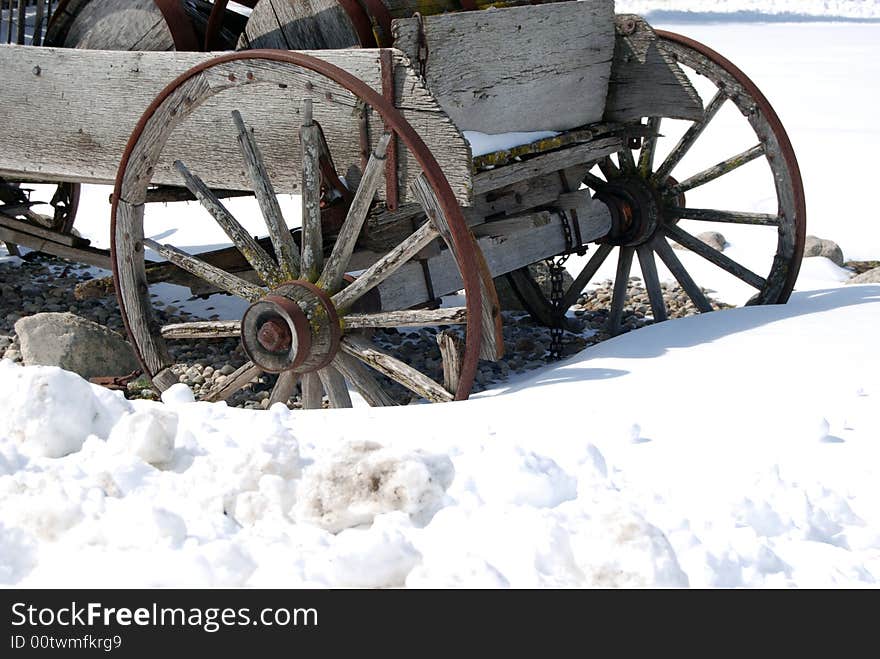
point(735, 449)
point(754, 9)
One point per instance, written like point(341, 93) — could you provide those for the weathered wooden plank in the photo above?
point(334, 385)
point(262, 263)
point(682, 276)
point(48, 234)
point(207, 272)
point(363, 380)
point(712, 255)
point(334, 269)
point(393, 368)
point(528, 68)
point(284, 387)
point(202, 329)
point(243, 375)
point(312, 260)
point(90, 255)
point(406, 318)
point(652, 281)
point(531, 238)
point(312, 391)
point(84, 141)
point(494, 179)
point(645, 82)
point(452, 356)
point(129, 241)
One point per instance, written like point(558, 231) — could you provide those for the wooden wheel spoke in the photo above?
point(626, 160)
point(207, 272)
point(621, 284)
point(594, 181)
point(363, 380)
point(410, 318)
point(731, 217)
point(690, 137)
point(386, 266)
point(492, 344)
point(391, 367)
point(282, 241)
point(312, 391)
point(588, 272)
point(312, 256)
point(694, 244)
point(334, 269)
point(334, 384)
point(652, 282)
point(202, 329)
point(284, 388)
point(717, 171)
point(608, 168)
point(667, 255)
point(260, 261)
point(649, 147)
point(242, 376)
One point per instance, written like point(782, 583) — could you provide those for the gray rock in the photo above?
point(75, 344)
point(823, 247)
point(713, 239)
point(541, 274)
point(869, 277)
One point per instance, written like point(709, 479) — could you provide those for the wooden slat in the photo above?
point(243, 375)
point(334, 385)
point(493, 179)
point(202, 329)
point(621, 284)
point(285, 249)
point(363, 380)
point(246, 244)
point(48, 234)
point(389, 366)
point(207, 272)
point(334, 269)
point(81, 140)
point(452, 354)
point(284, 387)
point(684, 279)
point(652, 281)
point(298, 25)
point(407, 318)
point(312, 391)
point(90, 255)
point(312, 259)
point(712, 255)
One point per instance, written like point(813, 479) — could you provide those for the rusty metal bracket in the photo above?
point(391, 190)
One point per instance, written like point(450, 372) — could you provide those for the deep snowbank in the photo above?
point(737, 448)
point(753, 9)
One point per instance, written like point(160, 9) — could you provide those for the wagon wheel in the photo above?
point(64, 201)
point(647, 202)
point(301, 321)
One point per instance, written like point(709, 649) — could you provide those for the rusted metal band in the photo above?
point(183, 33)
point(360, 21)
point(391, 191)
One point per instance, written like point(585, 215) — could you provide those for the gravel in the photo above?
point(45, 283)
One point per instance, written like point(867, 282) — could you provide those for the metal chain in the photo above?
point(557, 267)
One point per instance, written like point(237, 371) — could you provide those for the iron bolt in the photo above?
point(274, 335)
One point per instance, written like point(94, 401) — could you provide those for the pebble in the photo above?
point(41, 282)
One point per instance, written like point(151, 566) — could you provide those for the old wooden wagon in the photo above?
point(360, 107)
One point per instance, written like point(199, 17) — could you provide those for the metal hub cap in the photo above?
point(295, 327)
point(635, 210)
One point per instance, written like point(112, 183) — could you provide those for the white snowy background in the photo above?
point(739, 448)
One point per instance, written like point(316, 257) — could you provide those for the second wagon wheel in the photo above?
point(301, 294)
point(650, 193)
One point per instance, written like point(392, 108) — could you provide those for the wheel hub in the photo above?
point(635, 210)
point(293, 328)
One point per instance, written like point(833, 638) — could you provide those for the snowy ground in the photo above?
point(734, 449)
